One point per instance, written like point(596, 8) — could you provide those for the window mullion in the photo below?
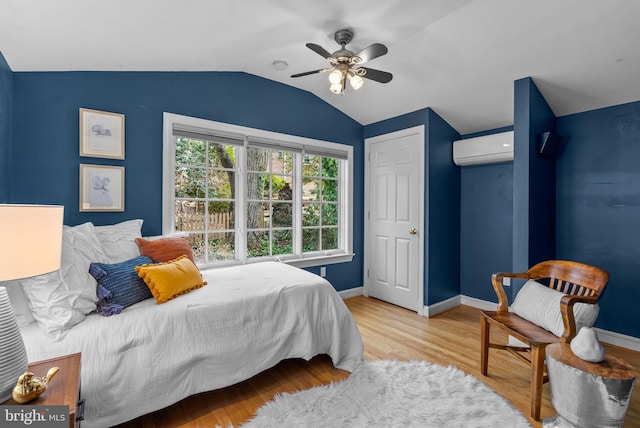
point(342, 179)
point(297, 204)
point(205, 226)
point(242, 203)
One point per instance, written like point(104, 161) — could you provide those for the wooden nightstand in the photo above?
point(64, 388)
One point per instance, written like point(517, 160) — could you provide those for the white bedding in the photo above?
point(246, 320)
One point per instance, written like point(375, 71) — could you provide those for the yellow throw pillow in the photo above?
point(171, 279)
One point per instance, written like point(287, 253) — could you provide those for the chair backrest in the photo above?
point(573, 278)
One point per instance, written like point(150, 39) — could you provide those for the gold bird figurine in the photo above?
point(29, 387)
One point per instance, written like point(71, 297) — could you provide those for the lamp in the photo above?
point(30, 244)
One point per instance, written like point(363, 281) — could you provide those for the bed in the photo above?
point(246, 320)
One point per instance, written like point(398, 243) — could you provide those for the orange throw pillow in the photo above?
point(165, 249)
point(171, 279)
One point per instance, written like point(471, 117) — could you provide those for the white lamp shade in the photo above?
point(30, 245)
point(30, 240)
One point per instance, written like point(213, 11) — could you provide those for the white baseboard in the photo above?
point(613, 338)
point(479, 303)
point(610, 337)
point(440, 307)
point(352, 292)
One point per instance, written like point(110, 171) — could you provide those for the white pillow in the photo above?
point(50, 304)
point(80, 248)
point(170, 235)
point(119, 240)
point(541, 305)
point(61, 299)
point(19, 302)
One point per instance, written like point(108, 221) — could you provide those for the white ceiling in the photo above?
point(459, 57)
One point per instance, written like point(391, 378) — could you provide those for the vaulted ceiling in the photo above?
point(459, 57)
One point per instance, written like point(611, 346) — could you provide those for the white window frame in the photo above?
point(344, 254)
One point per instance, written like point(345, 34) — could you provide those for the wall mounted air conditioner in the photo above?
point(486, 149)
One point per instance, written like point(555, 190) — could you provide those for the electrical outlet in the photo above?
point(506, 281)
point(323, 271)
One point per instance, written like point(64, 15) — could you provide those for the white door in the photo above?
point(394, 202)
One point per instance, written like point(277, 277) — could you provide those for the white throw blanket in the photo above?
point(246, 320)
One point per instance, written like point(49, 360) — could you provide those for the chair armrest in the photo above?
point(496, 280)
point(568, 318)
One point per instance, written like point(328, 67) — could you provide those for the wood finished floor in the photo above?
point(388, 332)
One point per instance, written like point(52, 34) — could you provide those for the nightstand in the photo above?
point(64, 388)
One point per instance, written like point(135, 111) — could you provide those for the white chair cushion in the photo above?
point(541, 305)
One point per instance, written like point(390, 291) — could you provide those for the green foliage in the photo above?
point(277, 183)
point(330, 167)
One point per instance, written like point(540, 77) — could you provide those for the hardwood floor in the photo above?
point(388, 332)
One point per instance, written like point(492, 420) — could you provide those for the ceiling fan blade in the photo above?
point(319, 50)
point(308, 73)
point(377, 75)
point(371, 52)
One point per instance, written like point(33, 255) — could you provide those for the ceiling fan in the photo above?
point(346, 65)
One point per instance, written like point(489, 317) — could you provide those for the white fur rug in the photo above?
point(393, 394)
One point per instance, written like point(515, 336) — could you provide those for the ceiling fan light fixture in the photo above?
point(355, 81)
point(335, 77)
point(336, 88)
point(346, 65)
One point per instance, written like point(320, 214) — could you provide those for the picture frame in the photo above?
point(101, 134)
point(101, 188)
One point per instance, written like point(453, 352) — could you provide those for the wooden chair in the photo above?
point(579, 282)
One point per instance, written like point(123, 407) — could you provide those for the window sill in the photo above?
point(320, 260)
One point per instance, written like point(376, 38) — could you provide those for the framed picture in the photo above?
point(101, 188)
point(101, 134)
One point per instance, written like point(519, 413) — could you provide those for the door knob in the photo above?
point(413, 231)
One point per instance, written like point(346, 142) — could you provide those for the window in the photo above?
point(270, 184)
point(246, 195)
point(320, 207)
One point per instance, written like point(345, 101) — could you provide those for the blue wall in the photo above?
point(598, 211)
point(45, 167)
point(508, 210)
point(598, 178)
point(442, 201)
point(486, 224)
point(534, 181)
point(443, 208)
point(6, 106)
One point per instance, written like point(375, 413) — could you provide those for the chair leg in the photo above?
point(537, 375)
point(484, 345)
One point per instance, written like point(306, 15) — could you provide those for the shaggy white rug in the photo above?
point(393, 394)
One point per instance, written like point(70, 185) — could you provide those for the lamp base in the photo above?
point(13, 355)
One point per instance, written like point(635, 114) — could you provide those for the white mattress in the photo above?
point(246, 320)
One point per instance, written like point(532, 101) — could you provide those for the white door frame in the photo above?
point(419, 130)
